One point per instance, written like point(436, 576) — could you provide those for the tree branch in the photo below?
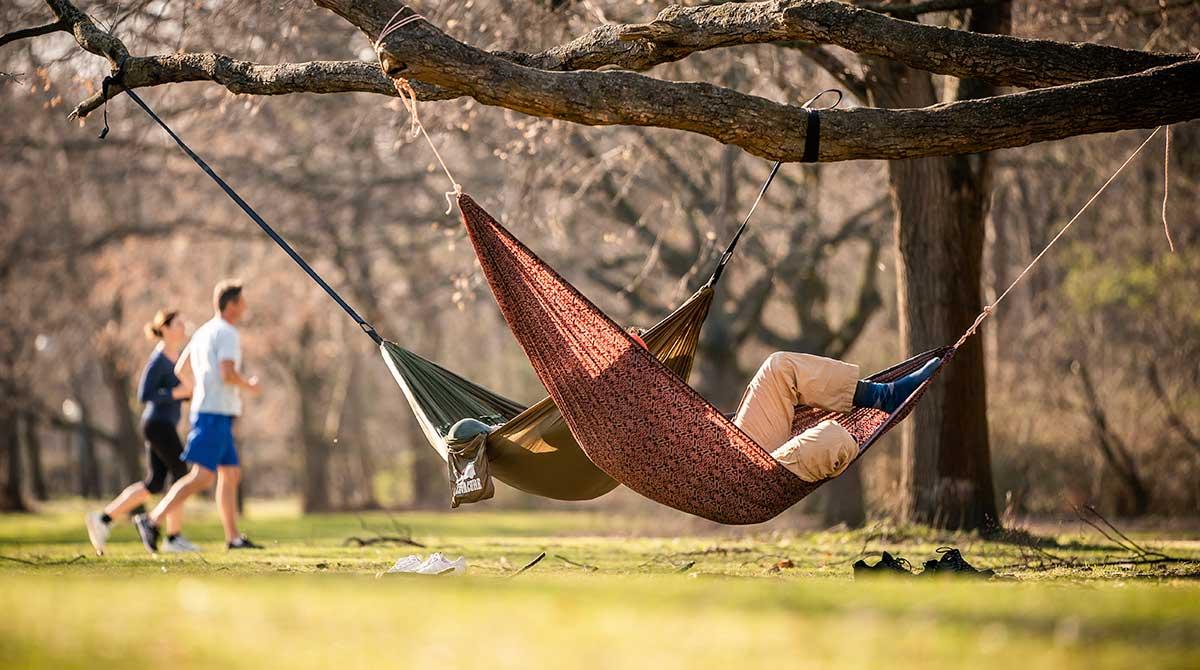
point(997, 59)
point(774, 131)
point(523, 83)
point(37, 31)
point(244, 77)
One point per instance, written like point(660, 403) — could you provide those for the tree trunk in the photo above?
point(84, 445)
point(33, 450)
point(129, 448)
point(316, 452)
point(12, 494)
point(940, 206)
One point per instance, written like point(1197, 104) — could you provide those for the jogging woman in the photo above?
point(163, 393)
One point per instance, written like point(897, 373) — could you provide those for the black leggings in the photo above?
point(164, 454)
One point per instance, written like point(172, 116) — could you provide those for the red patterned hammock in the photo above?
point(633, 417)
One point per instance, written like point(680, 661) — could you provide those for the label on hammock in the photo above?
point(470, 477)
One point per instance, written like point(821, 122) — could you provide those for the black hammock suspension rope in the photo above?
point(233, 195)
point(812, 146)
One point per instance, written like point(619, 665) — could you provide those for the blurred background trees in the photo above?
point(1091, 366)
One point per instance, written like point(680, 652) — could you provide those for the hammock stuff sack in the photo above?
point(634, 417)
point(532, 449)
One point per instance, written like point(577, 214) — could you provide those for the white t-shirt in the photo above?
point(215, 341)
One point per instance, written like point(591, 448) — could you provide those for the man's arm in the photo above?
point(231, 376)
point(183, 372)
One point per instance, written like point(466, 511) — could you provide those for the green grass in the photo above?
point(698, 601)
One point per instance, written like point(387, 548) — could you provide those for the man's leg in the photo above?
point(228, 477)
point(789, 379)
point(199, 479)
point(823, 451)
point(768, 407)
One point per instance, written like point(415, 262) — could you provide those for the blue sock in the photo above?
point(888, 397)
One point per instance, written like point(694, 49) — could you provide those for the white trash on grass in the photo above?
point(436, 564)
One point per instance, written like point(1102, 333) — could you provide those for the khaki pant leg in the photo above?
point(823, 451)
point(789, 379)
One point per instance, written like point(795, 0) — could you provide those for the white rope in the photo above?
point(987, 311)
point(393, 25)
point(1167, 186)
point(408, 97)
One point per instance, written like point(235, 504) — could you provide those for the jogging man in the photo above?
point(215, 353)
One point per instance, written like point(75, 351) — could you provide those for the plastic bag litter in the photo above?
point(436, 564)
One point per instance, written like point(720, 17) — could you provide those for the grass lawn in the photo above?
point(612, 592)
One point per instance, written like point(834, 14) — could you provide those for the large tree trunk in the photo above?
point(940, 206)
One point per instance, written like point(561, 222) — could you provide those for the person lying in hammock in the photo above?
point(787, 379)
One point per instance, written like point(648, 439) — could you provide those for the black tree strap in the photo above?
point(812, 137)
point(233, 195)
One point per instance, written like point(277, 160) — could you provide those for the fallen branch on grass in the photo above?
point(529, 564)
point(403, 536)
point(585, 566)
point(1046, 560)
point(25, 561)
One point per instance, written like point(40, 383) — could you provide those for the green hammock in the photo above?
point(532, 450)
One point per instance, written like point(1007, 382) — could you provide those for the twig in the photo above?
point(585, 566)
point(66, 561)
point(381, 539)
point(404, 538)
point(529, 564)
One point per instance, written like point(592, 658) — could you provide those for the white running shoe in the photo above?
point(437, 564)
point(409, 563)
point(98, 531)
point(180, 545)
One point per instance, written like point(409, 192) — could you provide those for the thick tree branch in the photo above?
point(775, 131)
point(997, 59)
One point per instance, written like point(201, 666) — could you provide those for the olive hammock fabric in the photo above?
point(533, 450)
point(634, 417)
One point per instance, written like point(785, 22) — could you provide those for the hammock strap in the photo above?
point(811, 147)
point(254, 216)
point(987, 311)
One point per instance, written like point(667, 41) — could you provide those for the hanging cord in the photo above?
point(987, 311)
point(408, 96)
point(1167, 186)
point(254, 216)
point(809, 144)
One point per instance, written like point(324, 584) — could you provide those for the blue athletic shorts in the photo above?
point(210, 442)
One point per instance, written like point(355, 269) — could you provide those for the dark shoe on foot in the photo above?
point(147, 531)
point(887, 565)
point(952, 563)
point(242, 542)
